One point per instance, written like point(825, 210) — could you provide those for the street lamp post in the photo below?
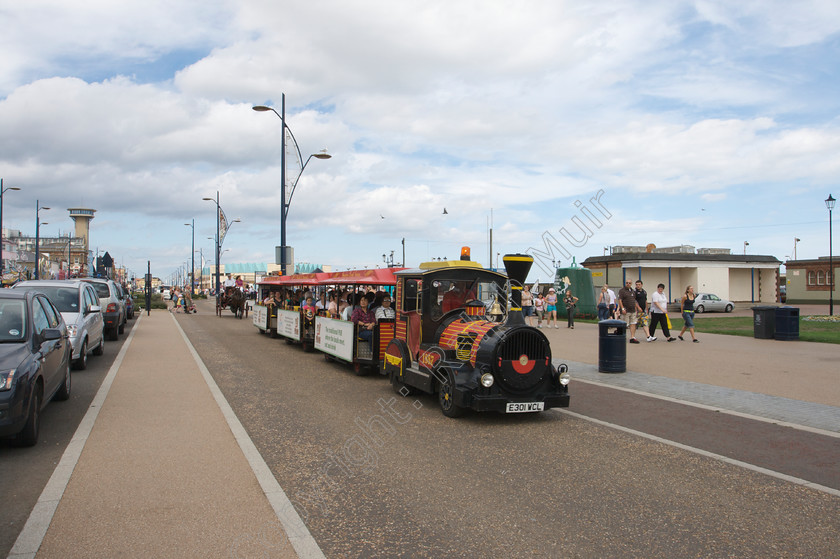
point(192, 252)
point(284, 212)
point(829, 203)
point(218, 212)
point(3, 191)
point(38, 209)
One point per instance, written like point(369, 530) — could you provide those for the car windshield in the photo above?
point(12, 323)
point(66, 299)
point(102, 289)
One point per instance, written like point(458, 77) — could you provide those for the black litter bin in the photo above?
point(764, 322)
point(612, 346)
point(787, 323)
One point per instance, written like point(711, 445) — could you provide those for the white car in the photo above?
point(79, 307)
point(708, 302)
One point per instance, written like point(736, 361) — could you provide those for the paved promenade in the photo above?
point(160, 466)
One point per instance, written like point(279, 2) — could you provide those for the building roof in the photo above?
point(682, 257)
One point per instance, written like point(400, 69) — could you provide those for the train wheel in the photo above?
point(360, 370)
point(446, 397)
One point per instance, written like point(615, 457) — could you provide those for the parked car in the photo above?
point(708, 302)
point(34, 362)
point(79, 307)
point(113, 307)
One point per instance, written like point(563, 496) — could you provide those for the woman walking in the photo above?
point(603, 303)
point(659, 312)
point(687, 309)
point(551, 308)
point(527, 306)
point(571, 304)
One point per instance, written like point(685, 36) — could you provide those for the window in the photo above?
point(812, 278)
point(51, 312)
point(820, 278)
point(40, 321)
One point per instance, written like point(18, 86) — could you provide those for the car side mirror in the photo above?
point(52, 334)
point(94, 308)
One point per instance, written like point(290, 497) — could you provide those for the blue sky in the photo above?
point(703, 123)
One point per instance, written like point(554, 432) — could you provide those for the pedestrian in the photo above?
point(611, 306)
point(571, 304)
point(687, 309)
point(603, 303)
point(527, 306)
point(551, 307)
point(659, 312)
point(629, 308)
point(644, 316)
point(539, 308)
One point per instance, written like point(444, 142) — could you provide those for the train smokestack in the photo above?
point(517, 267)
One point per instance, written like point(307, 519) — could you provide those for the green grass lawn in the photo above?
point(825, 332)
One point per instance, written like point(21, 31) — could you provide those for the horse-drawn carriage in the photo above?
point(234, 299)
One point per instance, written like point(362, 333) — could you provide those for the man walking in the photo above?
point(641, 300)
point(629, 308)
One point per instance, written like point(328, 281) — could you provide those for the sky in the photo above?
point(705, 123)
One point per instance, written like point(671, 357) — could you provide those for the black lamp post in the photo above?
point(285, 209)
point(218, 216)
point(3, 191)
point(829, 203)
point(38, 209)
point(192, 252)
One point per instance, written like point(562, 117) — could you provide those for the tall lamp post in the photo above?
point(218, 216)
point(285, 209)
point(829, 203)
point(3, 191)
point(192, 252)
point(38, 208)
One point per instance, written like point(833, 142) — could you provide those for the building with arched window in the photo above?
point(809, 281)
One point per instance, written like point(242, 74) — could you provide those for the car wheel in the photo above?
point(64, 390)
point(29, 435)
point(100, 349)
point(81, 362)
point(729, 308)
point(446, 397)
point(699, 309)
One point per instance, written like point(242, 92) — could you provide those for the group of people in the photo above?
point(181, 300)
point(631, 306)
point(544, 307)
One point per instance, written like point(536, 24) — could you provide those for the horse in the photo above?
point(237, 302)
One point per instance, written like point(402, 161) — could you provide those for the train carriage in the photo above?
point(451, 339)
point(278, 317)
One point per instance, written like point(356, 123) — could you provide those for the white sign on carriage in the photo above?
point(334, 337)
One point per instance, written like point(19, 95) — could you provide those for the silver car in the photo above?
point(708, 302)
point(79, 307)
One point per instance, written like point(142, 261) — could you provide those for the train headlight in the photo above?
point(487, 380)
point(564, 379)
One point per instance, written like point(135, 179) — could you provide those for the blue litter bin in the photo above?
point(787, 323)
point(612, 346)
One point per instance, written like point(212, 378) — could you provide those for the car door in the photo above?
point(715, 303)
point(51, 351)
point(93, 318)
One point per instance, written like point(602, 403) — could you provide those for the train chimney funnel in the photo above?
point(517, 267)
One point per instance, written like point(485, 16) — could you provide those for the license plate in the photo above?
point(524, 407)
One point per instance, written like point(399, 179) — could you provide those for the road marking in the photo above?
point(706, 453)
point(30, 538)
point(297, 532)
point(814, 430)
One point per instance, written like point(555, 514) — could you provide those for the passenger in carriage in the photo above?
point(365, 320)
point(384, 310)
point(308, 307)
point(322, 302)
point(352, 305)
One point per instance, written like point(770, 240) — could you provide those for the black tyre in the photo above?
point(64, 390)
point(29, 435)
point(112, 334)
point(699, 309)
point(81, 363)
point(446, 393)
point(729, 308)
point(100, 349)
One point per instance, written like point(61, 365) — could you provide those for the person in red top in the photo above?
point(364, 318)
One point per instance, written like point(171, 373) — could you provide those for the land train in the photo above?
point(458, 332)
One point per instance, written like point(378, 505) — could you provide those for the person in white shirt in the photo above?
point(384, 310)
point(229, 281)
point(658, 312)
point(611, 302)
